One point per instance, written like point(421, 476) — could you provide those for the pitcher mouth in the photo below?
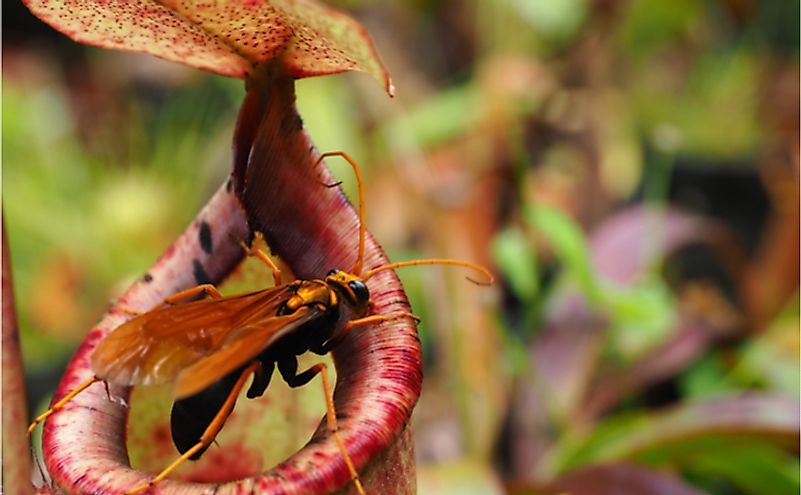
point(379, 369)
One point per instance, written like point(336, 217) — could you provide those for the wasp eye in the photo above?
point(359, 290)
point(332, 272)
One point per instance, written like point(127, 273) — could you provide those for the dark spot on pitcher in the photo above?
point(201, 277)
point(204, 236)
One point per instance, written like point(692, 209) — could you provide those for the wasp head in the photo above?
point(351, 287)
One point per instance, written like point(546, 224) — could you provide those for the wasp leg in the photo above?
point(131, 311)
point(288, 369)
point(371, 320)
point(211, 432)
point(263, 257)
point(208, 290)
point(261, 379)
point(58, 405)
point(367, 320)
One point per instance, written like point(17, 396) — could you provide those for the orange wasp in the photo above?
point(210, 347)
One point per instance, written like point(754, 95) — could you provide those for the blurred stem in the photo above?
point(16, 448)
point(656, 194)
point(657, 184)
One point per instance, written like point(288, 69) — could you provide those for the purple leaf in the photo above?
point(620, 479)
point(757, 414)
point(634, 240)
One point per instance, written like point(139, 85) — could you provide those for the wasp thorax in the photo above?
point(352, 287)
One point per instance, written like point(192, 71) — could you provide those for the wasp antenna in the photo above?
point(400, 264)
point(357, 268)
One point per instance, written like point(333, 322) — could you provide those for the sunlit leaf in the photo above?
point(568, 242)
point(642, 311)
point(556, 20)
point(772, 359)
point(688, 340)
point(440, 118)
point(643, 315)
point(463, 478)
point(650, 24)
point(516, 260)
point(628, 249)
point(713, 108)
point(132, 209)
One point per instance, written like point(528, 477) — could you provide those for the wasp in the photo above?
point(208, 345)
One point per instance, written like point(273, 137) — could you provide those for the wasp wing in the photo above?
point(251, 342)
point(156, 346)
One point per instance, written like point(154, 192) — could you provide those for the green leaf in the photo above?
point(648, 25)
point(706, 378)
point(556, 20)
point(749, 464)
point(772, 358)
point(437, 120)
point(568, 242)
point(515, 257)
point(641, 434)
point(458, 478)
point(642, 315)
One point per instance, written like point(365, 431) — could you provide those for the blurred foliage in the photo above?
point(629, 169)
point(86, 213)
